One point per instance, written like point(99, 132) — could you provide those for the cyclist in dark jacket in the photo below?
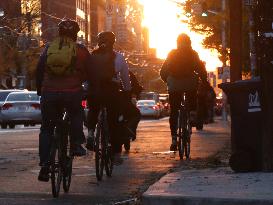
point(108, 71)
point(181, 71)
point(59, 93)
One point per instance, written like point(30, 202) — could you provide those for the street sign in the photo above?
point(223, 72)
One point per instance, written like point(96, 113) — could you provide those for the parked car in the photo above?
point(21, 108)
point(150, 108)
point(4, 94)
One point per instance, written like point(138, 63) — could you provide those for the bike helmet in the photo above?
point(106, 39)
point(69, 28)
point(183, 40)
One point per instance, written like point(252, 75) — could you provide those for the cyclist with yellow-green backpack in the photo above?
point(61, 70)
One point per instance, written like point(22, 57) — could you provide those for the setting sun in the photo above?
point(161, 18)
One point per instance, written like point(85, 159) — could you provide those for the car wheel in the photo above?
point(11, 126)
point(32, 124)
point(4, 126)
point(26, 125)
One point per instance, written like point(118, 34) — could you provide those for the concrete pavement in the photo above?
point(210, 186)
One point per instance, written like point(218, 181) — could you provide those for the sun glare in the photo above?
point(162, 19)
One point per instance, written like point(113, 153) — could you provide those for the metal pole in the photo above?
point(224, 53)
point(235, 40)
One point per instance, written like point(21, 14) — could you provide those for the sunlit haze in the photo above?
point(161, 18)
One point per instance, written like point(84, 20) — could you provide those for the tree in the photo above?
point(211, 25)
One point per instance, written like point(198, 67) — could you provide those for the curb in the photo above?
point(187, 200)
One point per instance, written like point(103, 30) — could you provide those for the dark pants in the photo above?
point(116, 105)
point(111, 100)
point(176, 98)
point(52, 106)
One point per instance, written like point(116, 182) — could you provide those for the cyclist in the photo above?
point(180, 71)
point(108, 69)
point(61, 69)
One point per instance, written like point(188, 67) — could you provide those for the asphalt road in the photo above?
point(147, 161)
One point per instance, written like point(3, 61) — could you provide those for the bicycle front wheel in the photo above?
point(67, 165)
point(56, 169)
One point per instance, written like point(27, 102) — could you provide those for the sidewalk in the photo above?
point(210, 186)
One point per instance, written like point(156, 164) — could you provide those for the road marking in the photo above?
point(165, 152)
point(19, 130)
point(26, 149)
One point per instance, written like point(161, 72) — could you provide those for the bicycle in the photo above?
point(184, 129)
point(102, 148)
point(61, 157)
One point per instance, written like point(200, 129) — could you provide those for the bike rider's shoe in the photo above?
point(173, 146)
point(90, 140)
point(78, 150)
point(44, 173)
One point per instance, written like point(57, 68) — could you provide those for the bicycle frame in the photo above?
point(184, 129)
point(60, 157)
point(103, 150)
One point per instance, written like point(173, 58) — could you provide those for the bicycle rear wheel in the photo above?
point(67, 165)
point(181, 147)
point(99, 150)
point(56, 173)
point(109, 161)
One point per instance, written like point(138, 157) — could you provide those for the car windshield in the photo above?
point(146, 103)
point(3, 95)
point(23, 97)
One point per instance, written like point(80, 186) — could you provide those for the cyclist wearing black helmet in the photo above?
point(60, 72)
point(108, 72)
point(181, 72)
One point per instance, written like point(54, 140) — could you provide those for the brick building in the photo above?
point(52, 12)
point(90, 14)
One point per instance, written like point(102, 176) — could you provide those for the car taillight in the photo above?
point(155, 107)
point(36, 106)
point(84, 103)
point(6, 106)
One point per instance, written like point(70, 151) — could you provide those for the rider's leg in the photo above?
point(49, 111)
point(175, 103)
point(72, 103)
point(92, 120)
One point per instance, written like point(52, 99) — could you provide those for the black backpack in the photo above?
point(104, 62)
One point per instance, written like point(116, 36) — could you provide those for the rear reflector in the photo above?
point(84, 103)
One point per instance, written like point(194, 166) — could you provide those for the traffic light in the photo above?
point(204, 9)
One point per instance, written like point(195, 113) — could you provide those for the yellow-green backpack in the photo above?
point(61, 57)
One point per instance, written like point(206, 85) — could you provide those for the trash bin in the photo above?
point(246, 124)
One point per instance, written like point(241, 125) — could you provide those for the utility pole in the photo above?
point(224, 53)
point(265, 53)
point(235, 40)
